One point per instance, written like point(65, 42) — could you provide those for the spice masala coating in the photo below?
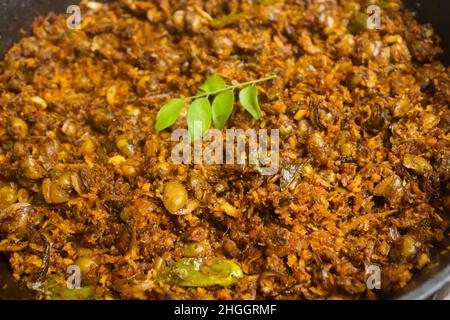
point(364, 152)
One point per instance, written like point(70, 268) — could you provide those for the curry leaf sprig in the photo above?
point(202, 112)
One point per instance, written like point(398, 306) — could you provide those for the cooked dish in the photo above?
point(87, 181)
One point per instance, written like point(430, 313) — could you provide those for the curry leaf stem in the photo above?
point(232, 87)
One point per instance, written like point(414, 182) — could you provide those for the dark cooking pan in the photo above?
point(19, 14)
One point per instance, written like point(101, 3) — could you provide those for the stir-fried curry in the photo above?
point(87, 181)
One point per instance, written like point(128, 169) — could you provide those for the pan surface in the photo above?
point(18, 15)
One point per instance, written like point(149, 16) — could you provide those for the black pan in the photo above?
point(19, 14)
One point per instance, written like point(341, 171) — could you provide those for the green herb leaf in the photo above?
point(56, 291)
point(168, 114)
point(83, 293)
point(213, 83)
point(248, 97)
point(200, 111)
point(222, 107)
point(199, 118)
point(190, 272)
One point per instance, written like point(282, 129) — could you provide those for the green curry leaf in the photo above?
point(248, 97)
point(83, 293)
point(222, 107)
point(212, 84)
point(196, 272)
point(200, 112)
point(168, 114)
point(199, 118)
point(55, 290)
